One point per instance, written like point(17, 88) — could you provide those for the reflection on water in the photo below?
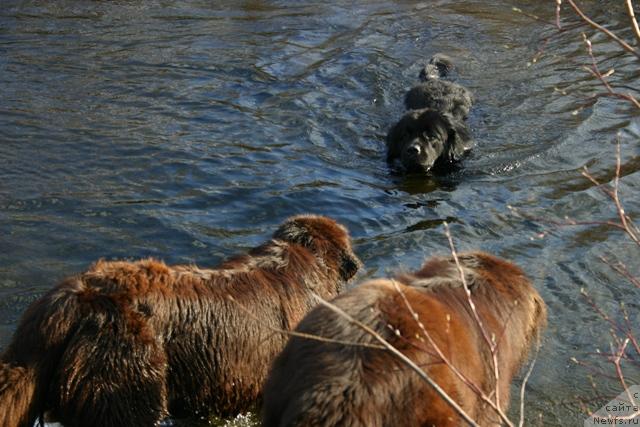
point(187, 129)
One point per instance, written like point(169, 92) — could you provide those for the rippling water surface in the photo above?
point(187, 130)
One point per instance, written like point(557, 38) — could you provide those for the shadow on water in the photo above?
point(187, 129)
point(423, 184)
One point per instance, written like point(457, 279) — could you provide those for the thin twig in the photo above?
point(558, 4)
point(616, 362)
point(483, 330)
point(625, 222)
point(529, 15)
point(604, 316)
point(626, 97)
point(595, 71)
point(602, 29)
point(432, 342)
point(443, 394)
point(622, 270)
point(630, 335)
point(616, 357)
point(623, 217)
point(616, 327)
point(593, 370)
point(632, 17)
point(301, 334)
point(476, 389)
point(524, 383)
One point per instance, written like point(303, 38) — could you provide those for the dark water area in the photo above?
point(187, 130)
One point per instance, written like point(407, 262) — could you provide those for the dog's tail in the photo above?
point(27, 366)
point(440, 65)
point(17, 394)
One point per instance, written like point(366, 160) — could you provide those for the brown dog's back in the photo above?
point(128, 343)
point(325, 384)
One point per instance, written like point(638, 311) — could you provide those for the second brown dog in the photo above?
point(315, 383)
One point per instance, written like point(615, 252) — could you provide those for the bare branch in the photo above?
point(630, 335)
point(623, 217)
point(625, 222)
point(592, 369)
point(524, 383)
point(529, 15)
point(300, 334)
point(476, 389)
point(602, 29)
point(622, 270)
point(432, 342)
point(485, 334)
point(622, 331)
point(632, 17)
point(604, 316)
point(595, 71)
point(616, 362)
point(404, 359)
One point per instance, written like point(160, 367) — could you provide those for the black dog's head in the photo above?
point(439, 66)
point(424, 139)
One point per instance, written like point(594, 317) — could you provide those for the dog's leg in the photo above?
point(112, 374)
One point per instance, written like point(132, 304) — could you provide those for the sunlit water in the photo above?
point(187, 130)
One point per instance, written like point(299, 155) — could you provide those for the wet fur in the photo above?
point(129, 343)
point(442, 140)
point(437, 94)
point(316, 383)
point(433, 134)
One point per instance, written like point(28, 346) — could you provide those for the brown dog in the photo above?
point(315, 383)
point(128, 343)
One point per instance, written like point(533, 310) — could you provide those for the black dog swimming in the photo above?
point(433, 134)
point(428, 139)
point(437, 94)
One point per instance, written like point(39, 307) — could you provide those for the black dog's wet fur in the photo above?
point(437, 94)
point(432, 135)
point(441, 135)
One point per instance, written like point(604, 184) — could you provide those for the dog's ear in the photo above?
point(349, 265)
point(394, 140)
point(396, 135)
point(458, 139)
point(324, 237)
point(294, 230)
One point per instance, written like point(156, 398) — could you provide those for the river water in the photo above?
point(188, 129)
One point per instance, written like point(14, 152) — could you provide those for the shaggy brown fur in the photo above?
point(316, 383)
point(128, 343)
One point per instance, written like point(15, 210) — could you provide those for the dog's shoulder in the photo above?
point(274, 254)
point(117, 276)
point(440, 95)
